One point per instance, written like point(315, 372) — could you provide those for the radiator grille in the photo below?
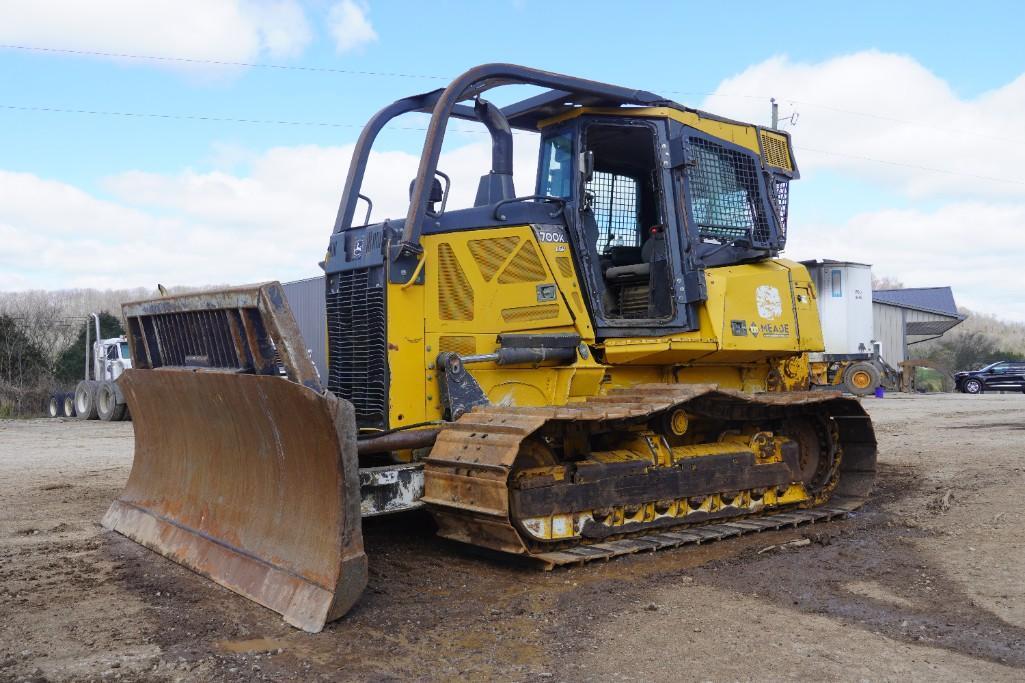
point(565, 265)
point(463, 345)
point(774, 147)
point(490, 254)
point(357, 342)
point(530, 313)
point(525, 267)
point(455, 296)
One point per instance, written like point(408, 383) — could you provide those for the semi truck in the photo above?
point(97, 396)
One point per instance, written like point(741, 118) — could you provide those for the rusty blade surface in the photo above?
point(250, 480)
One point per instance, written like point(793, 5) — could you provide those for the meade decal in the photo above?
point(549, 233)
point(772, 330)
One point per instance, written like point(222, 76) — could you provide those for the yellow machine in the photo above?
point(614, 362)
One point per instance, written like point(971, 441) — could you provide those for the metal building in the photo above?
point(902, 317)
point(306, 299)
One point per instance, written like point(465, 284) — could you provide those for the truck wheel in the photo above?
point(107, 405)
point(861, 379)
point(972, 386)
point(55, 405)
point(85, 400)
point(68, 404)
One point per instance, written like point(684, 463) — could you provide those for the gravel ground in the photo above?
point(925, 583)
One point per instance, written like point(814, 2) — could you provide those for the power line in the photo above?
point(222, 119)
point(915, 166)
point(920, 124)
point(180, 117)
point(394, 74)
point(330, 124)
point(218, 62)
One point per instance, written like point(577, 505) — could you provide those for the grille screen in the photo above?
point(455, 296)
point(463, 345)
point(530, 313)
point(615, 210)
point(783, 202)
point(202, 335)
point(774, 147)
point(490, 254)
point(358, 346)
point(565, 265)
point(725, 200)
point(526, 267)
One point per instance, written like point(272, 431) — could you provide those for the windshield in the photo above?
point(125, 353)
point(555, 178)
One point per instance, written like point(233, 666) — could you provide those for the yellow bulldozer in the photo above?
point(615, 362)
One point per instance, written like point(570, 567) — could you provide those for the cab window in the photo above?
point(555, 178)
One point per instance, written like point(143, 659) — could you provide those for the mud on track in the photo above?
point(924, 583)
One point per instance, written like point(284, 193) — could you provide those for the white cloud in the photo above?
point(954, 229)
point(268, 214)
point(974, 247)
point(916, 119)
point(225, 30)
point(350, 27)
point(272, 222)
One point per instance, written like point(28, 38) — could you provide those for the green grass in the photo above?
point(927, 379)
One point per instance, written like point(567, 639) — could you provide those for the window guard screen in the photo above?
point(615, 209)
point(783, 202)
point(725, 199)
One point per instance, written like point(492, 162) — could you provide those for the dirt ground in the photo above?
point(925, 583)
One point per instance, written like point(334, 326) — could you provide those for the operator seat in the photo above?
point(653, 248)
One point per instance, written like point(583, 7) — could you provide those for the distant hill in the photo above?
point(980, 339)
point(53, 318)
point(1010, 336)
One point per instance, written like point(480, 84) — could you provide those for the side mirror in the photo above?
point(587, 165)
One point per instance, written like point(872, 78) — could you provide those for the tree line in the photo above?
point(42, 340)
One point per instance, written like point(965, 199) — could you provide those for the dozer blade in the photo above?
point(249, 478)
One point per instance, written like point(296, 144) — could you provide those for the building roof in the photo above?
point(938, 300)
point(832, 262)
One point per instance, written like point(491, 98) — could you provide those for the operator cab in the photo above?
point(657, 201)
point(647, 193)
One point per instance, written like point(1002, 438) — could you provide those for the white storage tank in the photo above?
point(844, 295)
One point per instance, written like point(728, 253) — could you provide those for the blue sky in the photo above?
point(926, 72)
